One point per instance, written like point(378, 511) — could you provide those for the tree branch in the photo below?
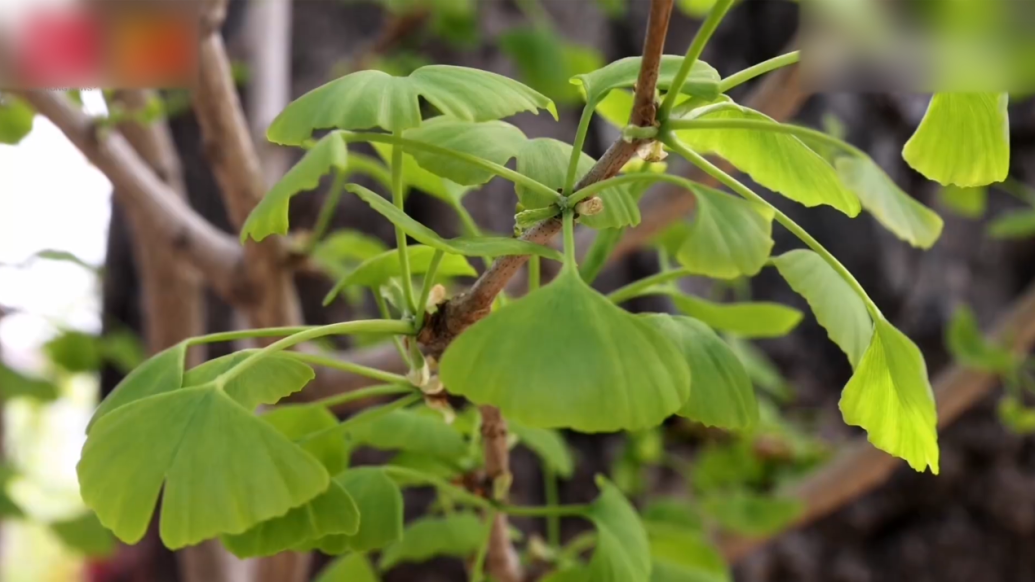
point(859, 467)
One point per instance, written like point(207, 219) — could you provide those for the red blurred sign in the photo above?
point(60, 49)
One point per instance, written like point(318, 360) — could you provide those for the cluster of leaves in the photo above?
point(563, 356)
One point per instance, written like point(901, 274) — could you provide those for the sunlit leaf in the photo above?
point(351, 568)
point(684, 555)
point(162, 373)
point(703, 80)
point(695, 8)
point(963, 139)
point(458, 535)
point(85, 535)
point(623, 551)
point(550, 360)
point(721, 393)
point(837, 307)
point(224, 470)
point(548, 445)
point(897, 211)
point(966, 202)
point(748, 319)
point(751, 514)
point(616, 106)
point(265, 382)
point(411, 430)
point(481, 246)
point(778, 161)
point(16, 385)
point(728, 237)
point(890, 396)
point(16, 118)
point(1017, 224)
point(8, 508)
point(968, 345)
point(270, 216)
point(368, 99)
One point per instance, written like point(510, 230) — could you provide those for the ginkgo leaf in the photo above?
point(414, 176)
point(265, 382)
point(343, 249)
point(548, 445)
point(367, 99)
point(761, 319)
point(14, 384)
point(495, 141)
point(728, 237)
point(161, 373)
point(616, 107)
point(681, 554)
point(16, 117)
point(1016, 224)
point(623, 551)
point(963, 139)
point(965, 202)
point(299, 422)
point(751, 514)
point(890, 396)
point(351, 568)
point(550, 360)
point(378, 269)
point(547, 61)
point(380, 505)
point(411, 430)
point(778, 161)
point(458, 535)
point(838, 308)
point(899, 212)
point(673, 511)
point(224, 470)
point(331, 512)
point(969, 347)
point(480, 246)
point(270, 216)
point(721, 393)
point(85, 535)
point(703, 80)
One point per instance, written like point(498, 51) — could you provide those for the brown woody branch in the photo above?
point(859, 467)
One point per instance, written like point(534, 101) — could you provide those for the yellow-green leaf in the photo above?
point(623, 550)
point(458, 535)
point(760, 319)
point(728, 237)
point(703, 80)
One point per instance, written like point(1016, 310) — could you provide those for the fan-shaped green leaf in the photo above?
point(1017, 224)
point(837, 307)
point(969, 347)
point(298, 421)
point(369, 99)
point(331, 512)
point(270, 216)
point(410, 430)
point(728, 237)
point(85, 535)
point(265, 382)
point(963, 139)
point(750, 513)
point(564, 356)
point(161, 373)
point(778, 161)
point(481, 246)
point(703, 80)
point(16, 385)
point(721, 393)
point(549, 445)
point(351, 568)
point(623, 551)
point(375, 271)
point(495, 141)
point(380, 505)
point(458, 535)
point(546, 61)
point(16, 118)
point(684, 555)
point(417, 177)
point(890, 396)
point(224, 469)
point(897, 211)
point(749, 319)
point(343, 249)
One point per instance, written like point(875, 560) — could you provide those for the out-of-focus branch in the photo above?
point(184, 235)
point(859, 467)
point(173, 308)
point(269, 86)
